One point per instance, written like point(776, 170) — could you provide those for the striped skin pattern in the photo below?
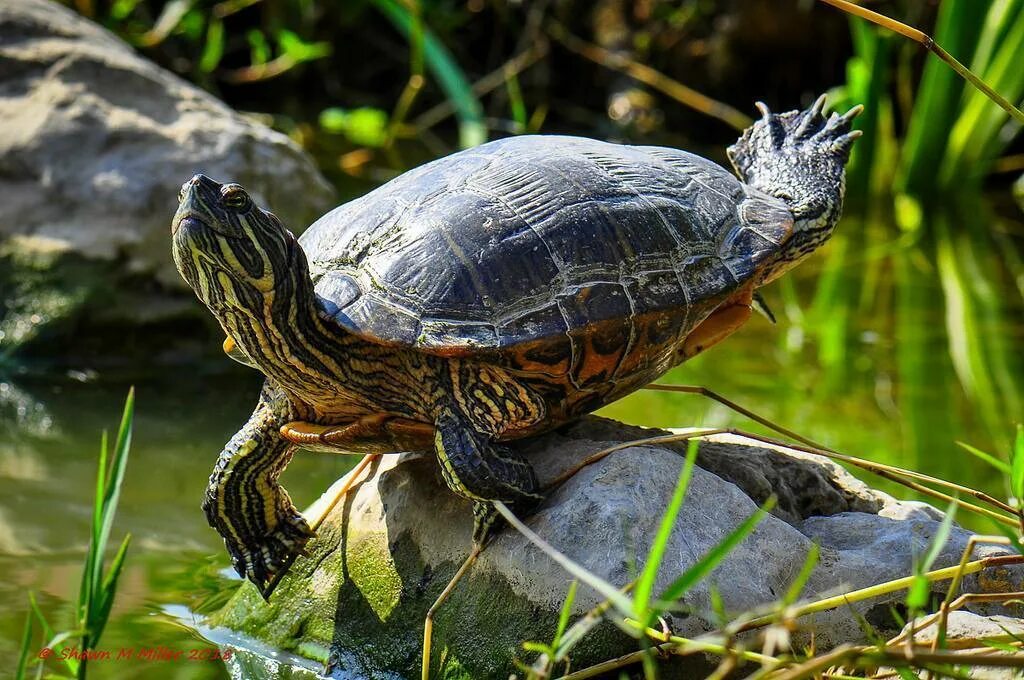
point(490, 295)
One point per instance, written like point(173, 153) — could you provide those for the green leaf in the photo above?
point(364, 126)
point(334, 119)
point(940, 538)
point(112, 492)
point(1001, 646)
point(706, 564)
point(918, 593)
point(515, 101)
point(1010, 534)
point(645, 583)
point(213, 50)
point(451, 78)
point(920, 589)
point(797, 586)
point(26, 643)
point(120, 9)
point(906, 674)
point(537, 648)
point(109, 590)
point(998, 464)
point(298, 50)
point(563, 616)
point(1017, 466)
point(259, 48)
point(367, 127)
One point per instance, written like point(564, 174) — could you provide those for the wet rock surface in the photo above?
point(96, 142)
point(385, 553)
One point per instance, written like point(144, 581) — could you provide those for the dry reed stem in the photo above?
point(929, 44)
point(686, 96)
point(822, 450)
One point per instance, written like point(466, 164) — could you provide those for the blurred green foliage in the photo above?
point(374, 87)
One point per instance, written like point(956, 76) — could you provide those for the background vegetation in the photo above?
point(930, 255)
point(902, 337)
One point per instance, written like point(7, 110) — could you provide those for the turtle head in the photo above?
point(799, 157)
point(228, 249)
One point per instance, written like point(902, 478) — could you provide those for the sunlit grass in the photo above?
point(98, 586)
point(633, 609)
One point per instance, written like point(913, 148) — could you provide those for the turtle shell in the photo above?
point(531, 249)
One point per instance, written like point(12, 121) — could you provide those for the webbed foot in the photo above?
point(260, 556)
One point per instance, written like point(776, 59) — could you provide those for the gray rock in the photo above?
point(385, 553)
point(967, 630)
point(96, 143)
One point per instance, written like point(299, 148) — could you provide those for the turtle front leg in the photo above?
point(261, 528)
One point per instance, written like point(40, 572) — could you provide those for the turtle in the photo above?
point(488, 296)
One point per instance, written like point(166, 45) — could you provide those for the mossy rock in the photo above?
point(357, 602)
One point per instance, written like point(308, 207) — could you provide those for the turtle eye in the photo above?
point(235, 197)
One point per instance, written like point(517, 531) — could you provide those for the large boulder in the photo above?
point(96, 143)
point(382, 557)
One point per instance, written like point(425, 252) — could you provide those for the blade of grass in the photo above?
point(928, 43)
point(645, 583)
point(1017, 466)
point(452, 80)
point(563, 616)
point(107, 503)
point(605, 589)
point(109, 590)
point(26, 643)
point(797, 586)
point(998, 464)
point(937, 99)
point(714, 557)
point(55, 641)
point(979, 135)
point(917, 594)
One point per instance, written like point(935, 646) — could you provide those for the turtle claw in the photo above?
point(263, 562)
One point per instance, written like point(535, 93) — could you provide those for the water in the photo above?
point(893, 391)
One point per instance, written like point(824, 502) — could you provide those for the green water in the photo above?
point(928, 353)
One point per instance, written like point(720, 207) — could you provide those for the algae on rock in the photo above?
point(385, 553)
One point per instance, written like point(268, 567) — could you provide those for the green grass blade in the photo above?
point(109, 590)
point(938, 96)
point(604, 588)
point(1010, 535)
point(112, 492)
point(55, 642)
point(797, 586)
point(706, 564)
point(645, 583)
point(1001, 646)
point(472, 130)
point(516, 103)
point(980, 133)
point(940, 538)
point(998, 464)
point(563, 616)
point(87, 586)
point(1017, 466)
point(26, 644)
point(213, 49)
point(920, 589)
